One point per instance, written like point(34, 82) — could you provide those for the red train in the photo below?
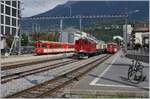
point(85, 47)
point(112, 48)
point(48, 47)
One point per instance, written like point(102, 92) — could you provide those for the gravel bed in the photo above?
point(30, 67)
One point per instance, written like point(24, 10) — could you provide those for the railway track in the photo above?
point(52, 87)
point(31, 62)
point(7, 78)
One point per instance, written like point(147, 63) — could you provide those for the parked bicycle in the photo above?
point(135, 72)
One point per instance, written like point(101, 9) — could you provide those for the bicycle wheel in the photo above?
point(130, 69)
point(132, 77)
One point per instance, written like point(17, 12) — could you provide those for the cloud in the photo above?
point(33, 7)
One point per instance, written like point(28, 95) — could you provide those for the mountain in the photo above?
point(88, 8)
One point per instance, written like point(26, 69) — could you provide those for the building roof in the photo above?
point(141, 30)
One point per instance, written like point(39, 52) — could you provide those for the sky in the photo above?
point(34, 7)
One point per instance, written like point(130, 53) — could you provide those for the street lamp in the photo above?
point(126, 22)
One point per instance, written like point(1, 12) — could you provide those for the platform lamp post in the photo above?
point(126, 23)
point(61, 26)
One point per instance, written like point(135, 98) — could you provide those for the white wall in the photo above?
point(3, 43)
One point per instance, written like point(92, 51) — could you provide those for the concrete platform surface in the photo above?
point(110, 78)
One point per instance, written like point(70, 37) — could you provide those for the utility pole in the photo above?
point(20, 29)
point(80, 21)
point(61, 26)
point(33, 28)
point(39, 27)
point(126, 33)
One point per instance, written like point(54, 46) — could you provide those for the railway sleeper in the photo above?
point(39, 91)
point(29, 95)
point(49, 87)
point(63, 81)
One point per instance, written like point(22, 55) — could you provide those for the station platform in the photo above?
point(31, 57)
point(110, 79)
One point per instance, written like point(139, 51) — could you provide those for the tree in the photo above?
point(24, 39)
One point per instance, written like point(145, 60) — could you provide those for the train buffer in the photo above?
point(110, 79)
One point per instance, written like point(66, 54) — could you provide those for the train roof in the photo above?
point(46, 42)
point(112, 43)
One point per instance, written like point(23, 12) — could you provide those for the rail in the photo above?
point(7, 78)
point(51, 88)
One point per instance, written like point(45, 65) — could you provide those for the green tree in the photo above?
point(24, 39)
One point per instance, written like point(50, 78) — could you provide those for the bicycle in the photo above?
point(135, 72)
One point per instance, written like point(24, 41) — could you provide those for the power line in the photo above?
point(76, 17)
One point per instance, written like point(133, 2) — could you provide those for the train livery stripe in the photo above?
point(58, 50)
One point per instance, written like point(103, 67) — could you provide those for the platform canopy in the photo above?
point(117, 37)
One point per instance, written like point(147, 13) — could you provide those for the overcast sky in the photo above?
point(33, 7)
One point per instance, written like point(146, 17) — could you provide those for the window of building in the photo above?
point(7, 20)
point(7, 10)
point(2, 29)
point(14, 3)
point(18, 13)
point(2, 1)
point(18, 4)
point(8, 2)
point(7, 30)
point(13, 21)
point(13, 31)
point(14, 12)
point(2, 8)
point(2, 19)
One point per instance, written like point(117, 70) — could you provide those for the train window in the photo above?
point(77, 42)
point(60, 46)
point(52, 46)
point(44, 45)
point(38, 45)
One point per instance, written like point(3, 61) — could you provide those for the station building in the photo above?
point(70, 35)
point(141, 36)
point(9, 15)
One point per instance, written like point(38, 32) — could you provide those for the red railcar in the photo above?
point(85, 47)
point(112, 48)
point(48, 47)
